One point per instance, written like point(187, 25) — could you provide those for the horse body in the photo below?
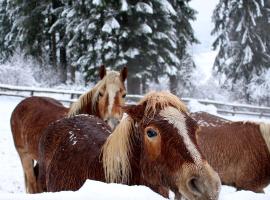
point(84, 145)
point(20, 122)
point(154, 145)
point(26, 128)
point(34, 114)
point(238, 152)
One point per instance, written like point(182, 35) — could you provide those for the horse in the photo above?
point(207, 119)
point(238, 151)
point(34, 114)
point(154, 145)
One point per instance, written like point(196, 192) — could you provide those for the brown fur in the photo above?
point(125, 156)
point(238, 152)
point(34, 114)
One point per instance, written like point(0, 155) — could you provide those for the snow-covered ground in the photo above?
point(12, 184)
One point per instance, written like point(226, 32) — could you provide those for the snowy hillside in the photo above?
point(12, 184)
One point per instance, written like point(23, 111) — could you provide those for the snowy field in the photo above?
point(12, 184)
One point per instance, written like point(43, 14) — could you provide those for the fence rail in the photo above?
point(69, 96)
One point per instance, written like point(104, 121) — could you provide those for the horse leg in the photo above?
point(30, 178)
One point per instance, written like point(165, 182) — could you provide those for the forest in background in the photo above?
point(151, 38)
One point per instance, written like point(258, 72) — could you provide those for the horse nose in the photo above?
point(198, 182)
point(205, 186)
point(112, 122)
point(195, 186)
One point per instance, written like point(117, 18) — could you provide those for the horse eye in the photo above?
point(124, 95)
point(100, 94)
point(151, 133)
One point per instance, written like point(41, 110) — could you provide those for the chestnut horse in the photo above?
point(153, 145)
point(34, 114)
point(238, 151)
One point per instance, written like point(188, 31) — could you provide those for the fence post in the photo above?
point(32, 93)
point(233, 110)
point(72, 96)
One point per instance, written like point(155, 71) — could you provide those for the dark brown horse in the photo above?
point(238, 151)
point(153, 145)
point(34, 114)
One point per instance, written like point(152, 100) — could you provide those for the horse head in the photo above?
point(169, 154)
point(105, 99)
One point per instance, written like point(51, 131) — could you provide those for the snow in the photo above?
point(17, 72)
point(167, 7)
point(11, 174)
point(144, 28)
point(144, 8)
point(195, 106)
point(124, 5)
point(110, 24)
point(132, 52)
point(97, 2)
point(247, 55)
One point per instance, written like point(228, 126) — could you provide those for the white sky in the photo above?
point(202, 53)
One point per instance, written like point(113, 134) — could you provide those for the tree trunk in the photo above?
point(72, 73)
point(63, 61)
point(173, 84)
point(53, 58)
point(134, 85)
point(144, 85)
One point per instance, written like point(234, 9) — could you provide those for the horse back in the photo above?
point(30, 117)
point(76, 142)
point(207, 119)
point(237, 151)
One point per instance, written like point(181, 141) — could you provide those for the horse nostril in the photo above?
point(194, 186)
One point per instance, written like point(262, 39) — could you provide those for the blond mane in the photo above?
point(265, 131)
point(117, 148)
point(91, 97)
point(161, 100)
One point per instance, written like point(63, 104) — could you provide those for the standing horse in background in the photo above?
point(153, 145)
point(238, 151)
point(34, 114)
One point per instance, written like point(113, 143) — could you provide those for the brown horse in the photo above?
point(153, 145)
point(207, 119)
point(34, 114)
point(238, 151)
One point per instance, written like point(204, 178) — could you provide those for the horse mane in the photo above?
point(155, 101)
point(116, 151)
point(91, 97)
point(117, 148)
point(265, 131)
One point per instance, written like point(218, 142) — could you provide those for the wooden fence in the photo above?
point(69, 96)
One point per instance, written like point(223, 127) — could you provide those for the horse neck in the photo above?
point(84, 105)
point(121, 154)
point(265, 131)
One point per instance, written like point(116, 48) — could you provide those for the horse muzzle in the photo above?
point(198, 182)
point(112, 122)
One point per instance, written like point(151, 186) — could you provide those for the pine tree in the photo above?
point(27, 27)
point(150, 37)
point(5, 25)
point(185, 36)
point(243, 40)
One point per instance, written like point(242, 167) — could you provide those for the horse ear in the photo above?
point(134, 111)
point(123, 74)
point(102, 71)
